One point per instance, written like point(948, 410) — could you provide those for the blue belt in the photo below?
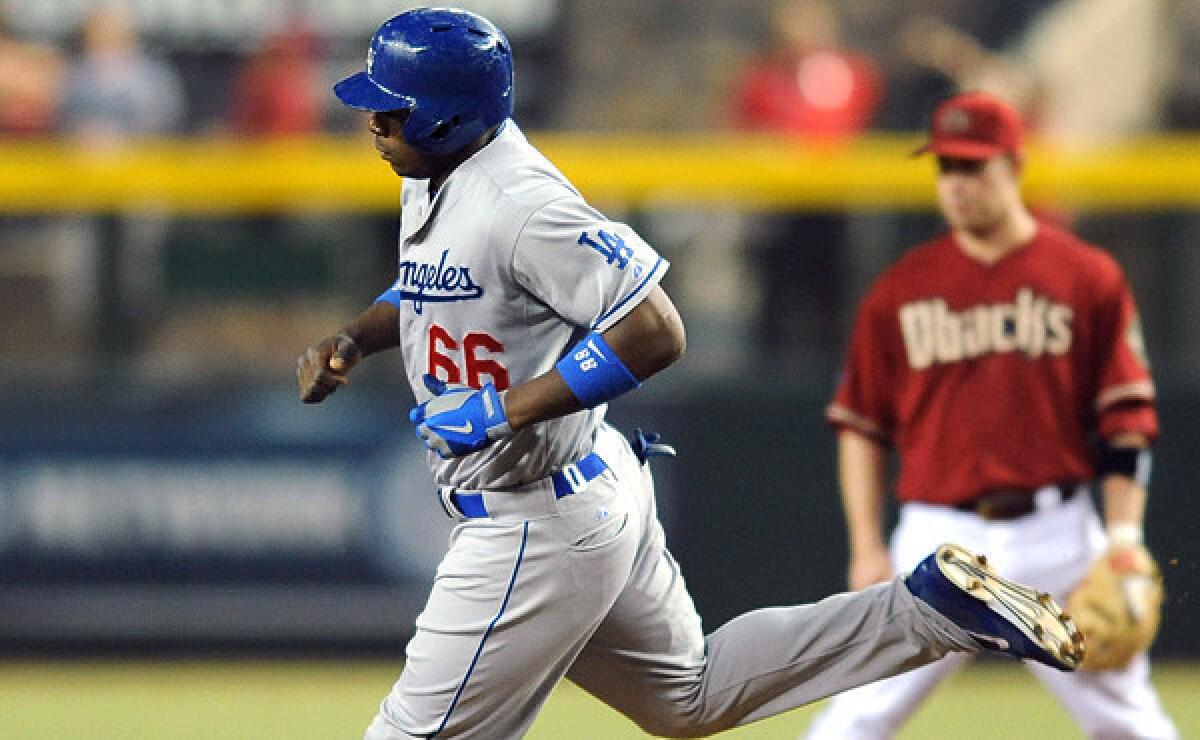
point(573, 478)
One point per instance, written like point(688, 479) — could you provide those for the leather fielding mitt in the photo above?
point(1118, 607)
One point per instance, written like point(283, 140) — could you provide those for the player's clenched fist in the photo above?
point(458, 419)
point(323, 367)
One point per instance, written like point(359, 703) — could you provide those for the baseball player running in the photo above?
point(521, 311)
point(987, 357)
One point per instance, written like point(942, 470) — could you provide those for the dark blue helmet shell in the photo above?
point(451, 69)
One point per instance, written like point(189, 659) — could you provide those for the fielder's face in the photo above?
point(406, 161)
point(976, 195)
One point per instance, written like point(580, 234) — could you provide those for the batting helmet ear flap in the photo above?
point(443, 133)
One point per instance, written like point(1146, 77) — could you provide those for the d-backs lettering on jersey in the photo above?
point(499, 274)
point(994, 375)
point(1031, 324)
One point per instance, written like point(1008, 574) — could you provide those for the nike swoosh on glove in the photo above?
point(459, 420)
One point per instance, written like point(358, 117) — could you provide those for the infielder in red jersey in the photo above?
point(990, 358)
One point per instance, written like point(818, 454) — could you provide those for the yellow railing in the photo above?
point(343, 173)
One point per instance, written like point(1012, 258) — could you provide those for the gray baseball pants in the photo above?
point(584, 587)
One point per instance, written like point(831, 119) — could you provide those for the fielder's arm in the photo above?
point(649, 339)
point(862, 468)
point(1124, 497)
point(1118, 606)
point(323, 368)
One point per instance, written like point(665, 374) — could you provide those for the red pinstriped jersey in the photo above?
point(987, 376)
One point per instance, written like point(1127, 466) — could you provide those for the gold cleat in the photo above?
point(998, 613)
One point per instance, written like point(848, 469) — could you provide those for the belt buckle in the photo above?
point(1004, 504)
point(986, 507)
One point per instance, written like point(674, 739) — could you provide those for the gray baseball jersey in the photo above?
point(500, 273)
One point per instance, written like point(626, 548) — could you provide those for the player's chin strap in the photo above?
point(646, 446)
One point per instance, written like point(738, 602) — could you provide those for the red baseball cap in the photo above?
point(975, 125)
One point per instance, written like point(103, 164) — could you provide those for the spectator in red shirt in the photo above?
point(809, 85)
point(279, 91)
point(813, 88)
point(30, 77)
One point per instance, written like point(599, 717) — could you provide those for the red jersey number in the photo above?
point(476, 350)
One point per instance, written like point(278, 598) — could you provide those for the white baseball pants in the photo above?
point(1050, 549)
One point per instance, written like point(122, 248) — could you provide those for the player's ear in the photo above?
point(1016, 162)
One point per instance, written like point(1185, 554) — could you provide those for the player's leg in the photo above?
point(880, 709)
point(650, 659)
point(512, 605)
point(1060, 545)
point(1112, 704)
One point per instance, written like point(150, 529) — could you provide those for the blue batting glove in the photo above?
point(646, 446)
point(436, 385)
point(459, 420)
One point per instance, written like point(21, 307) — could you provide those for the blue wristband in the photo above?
point(594, 373)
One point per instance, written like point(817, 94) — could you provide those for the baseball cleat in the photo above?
point(999, 614)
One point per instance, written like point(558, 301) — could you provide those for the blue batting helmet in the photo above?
point(450, 69)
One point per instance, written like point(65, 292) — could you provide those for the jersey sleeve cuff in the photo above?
point(622, 307)
point(1135, 417)
point(840, 416)
point(1142, 390)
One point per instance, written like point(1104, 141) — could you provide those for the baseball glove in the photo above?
point(1118, 607)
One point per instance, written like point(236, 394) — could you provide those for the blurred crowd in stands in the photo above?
point(105, 86)
point(1083, 71)
point(819, 69)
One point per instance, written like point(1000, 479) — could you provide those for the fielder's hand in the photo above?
point(459, 420)
point(1118, 607)
point(322, 369)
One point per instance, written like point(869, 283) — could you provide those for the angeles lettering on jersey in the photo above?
point(424, 281)
point(1032, 325)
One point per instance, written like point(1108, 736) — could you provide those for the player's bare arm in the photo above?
point(460, 420)
point(1124, 494)
point(862, 463)
point(646, 341)
point(324, 367)
point(1119, 602)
